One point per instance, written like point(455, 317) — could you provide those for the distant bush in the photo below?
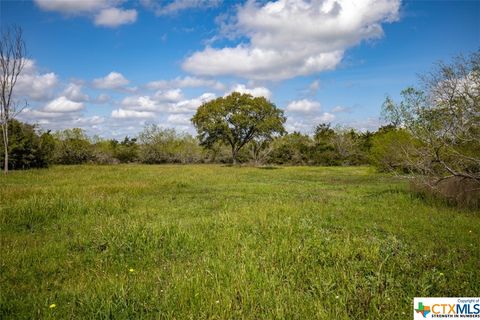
point(324, 152)
point(104, 152)
point(327, 147)
point(389, 147)
point(158, 145)
point(293, 149)
point(350, 147)
point(126, 151)
point(220, 153)
point(72, 146)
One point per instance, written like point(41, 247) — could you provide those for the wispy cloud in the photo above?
point(104, 13)
point(161, 8)
point(113, 80)
point(114, 17)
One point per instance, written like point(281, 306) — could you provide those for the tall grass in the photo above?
point(455, 191)
point(206, 241)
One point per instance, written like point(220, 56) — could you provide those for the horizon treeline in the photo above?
point(327, 146)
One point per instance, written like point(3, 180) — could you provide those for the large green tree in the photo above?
point(236, 120)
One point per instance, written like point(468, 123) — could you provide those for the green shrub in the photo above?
point(72, 147)
point(27, 148)
point(388, 150)
point(159, 145)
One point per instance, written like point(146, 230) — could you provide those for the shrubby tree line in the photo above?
point(31, 147)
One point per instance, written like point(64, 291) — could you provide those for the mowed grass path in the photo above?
point(209, 241)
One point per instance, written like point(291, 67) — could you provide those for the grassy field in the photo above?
point(208, 241)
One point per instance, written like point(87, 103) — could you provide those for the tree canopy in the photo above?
point(236, 120)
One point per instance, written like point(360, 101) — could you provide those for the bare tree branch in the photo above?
point(12, 61)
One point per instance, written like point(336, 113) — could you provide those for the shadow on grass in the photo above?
point(388, 192)
point(268, 168)
point(246, 165)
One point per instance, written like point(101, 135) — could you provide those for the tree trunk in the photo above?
point(5, 145)
point(5, 165)
point(234, 156)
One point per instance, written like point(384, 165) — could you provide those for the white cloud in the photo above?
point(325, 117)
point(167, 102)
point(64, 120)
point(33, 85)
point(114, 80)
point(314, 86)
point(297, 125)
point(59, 113)
point(41, 115)
point(114, 17)
point(256, 91)
point(142, 103)
point(179, 119)
point(190, 105)
point(307, 124)
point(169, 95)
point(184, 82)
point(29, 66)
point(94, 120)
point(340, 109)
point(62, 104)
point(43, 122)
point(37, 87)
point(178, 5)
point(256, 63)
point(126, 114)
point(159, 84)
point(200, 82)
point(103, 12)
point(102, 98)
point(73, 6)
point(288, 38)
point(369, 124)
point(74, 92)
point(304, 106)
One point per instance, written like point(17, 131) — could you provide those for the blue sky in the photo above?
point(110, 66)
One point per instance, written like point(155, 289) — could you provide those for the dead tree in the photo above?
point(12, 61)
